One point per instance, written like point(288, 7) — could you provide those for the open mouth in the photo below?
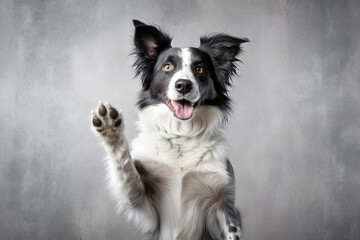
point(182, 109)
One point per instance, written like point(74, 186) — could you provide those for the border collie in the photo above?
point(177, 181)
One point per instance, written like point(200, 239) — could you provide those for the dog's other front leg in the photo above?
point(124, 180)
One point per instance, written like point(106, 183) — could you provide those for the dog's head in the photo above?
point(184, 78)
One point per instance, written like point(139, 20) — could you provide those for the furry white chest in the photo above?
point(181, 148)
point(193, 145)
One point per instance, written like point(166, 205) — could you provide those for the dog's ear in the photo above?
point(149, 41)
point(223, 50)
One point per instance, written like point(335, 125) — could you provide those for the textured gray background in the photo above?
point(294, 136)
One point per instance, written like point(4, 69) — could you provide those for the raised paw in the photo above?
point(107, 122)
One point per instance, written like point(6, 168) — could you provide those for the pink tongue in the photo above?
point(183, 111)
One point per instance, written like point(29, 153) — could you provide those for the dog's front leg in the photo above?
point(107, 122)
point(124, 179)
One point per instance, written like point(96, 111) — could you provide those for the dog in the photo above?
point(177, 182)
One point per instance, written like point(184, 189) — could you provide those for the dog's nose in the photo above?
point(183, 86)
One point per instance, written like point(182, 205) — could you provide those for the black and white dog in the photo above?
point(177, 182)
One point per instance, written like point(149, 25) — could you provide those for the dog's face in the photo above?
point(184, 78)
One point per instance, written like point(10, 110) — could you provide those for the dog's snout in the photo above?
point(183, 86)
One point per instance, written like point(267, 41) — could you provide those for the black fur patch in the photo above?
point(232, 229)
point(151, 182)
point(149, 41)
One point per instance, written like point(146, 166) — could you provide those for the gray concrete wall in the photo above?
point(294, 136)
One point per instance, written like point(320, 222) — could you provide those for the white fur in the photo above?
point(179, 143)
point(192, 145)
point(190, 155)
point(184, 73)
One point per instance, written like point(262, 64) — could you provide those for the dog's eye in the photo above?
point(199, 69)
point(168, 67)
